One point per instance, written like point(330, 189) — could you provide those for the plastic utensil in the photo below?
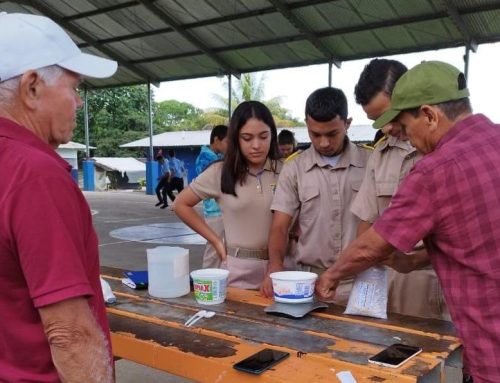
point(203, 314)
point(192, 317)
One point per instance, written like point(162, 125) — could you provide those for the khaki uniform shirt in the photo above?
point(419, 292)
point(321, 195)
point(247, 218)
point(389, 164)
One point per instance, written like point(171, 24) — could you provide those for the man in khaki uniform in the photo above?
point(318, 185)
point(418, 293)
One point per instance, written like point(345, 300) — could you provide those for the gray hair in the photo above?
point(49, 74)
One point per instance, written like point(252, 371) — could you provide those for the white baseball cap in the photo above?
point(29, 42)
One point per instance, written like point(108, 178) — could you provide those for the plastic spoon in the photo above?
point(203, 314)
point(193, 317)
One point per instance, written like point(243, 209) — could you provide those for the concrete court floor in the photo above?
point(117, 210)
point(122, 213)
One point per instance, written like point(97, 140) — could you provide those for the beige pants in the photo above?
point(245, 273)
point(210, 257)
point(416, 294)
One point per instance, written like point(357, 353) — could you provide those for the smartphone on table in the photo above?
point(261, 361)
point(395, 355)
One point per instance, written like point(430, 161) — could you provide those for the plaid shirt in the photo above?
point(451, 199)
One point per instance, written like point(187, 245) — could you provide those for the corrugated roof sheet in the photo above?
point(357, 133)
point(161, 40)
point(126, 164)
point(74, 145)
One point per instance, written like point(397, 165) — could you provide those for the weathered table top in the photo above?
point(150, 331)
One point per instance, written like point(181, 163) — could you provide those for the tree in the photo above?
point(177, 115)
point(251, 87)
point(116, 116)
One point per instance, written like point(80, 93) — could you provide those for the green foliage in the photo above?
point(177, 115)
point(120, 115)
point(116, 116)
point(251, 87)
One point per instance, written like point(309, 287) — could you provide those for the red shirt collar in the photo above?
point(11, 130)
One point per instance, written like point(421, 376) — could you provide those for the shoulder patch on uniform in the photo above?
point(384, 138)
point(293, 155)
point(366, 146)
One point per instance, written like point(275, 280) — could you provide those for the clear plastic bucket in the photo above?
point(210, 285)
point(168, 271)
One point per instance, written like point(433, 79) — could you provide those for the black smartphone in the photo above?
point(395, 355)
point(261, 361)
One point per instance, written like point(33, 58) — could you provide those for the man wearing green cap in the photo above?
point(417, 293)
point(451, 200)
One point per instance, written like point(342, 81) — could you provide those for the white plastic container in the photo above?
point(293, 286)
point(168, 271)
point(210, 285)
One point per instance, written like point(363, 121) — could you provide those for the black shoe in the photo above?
point(158, 204)
point(164, 206)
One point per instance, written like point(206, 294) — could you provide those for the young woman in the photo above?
point(243, 185)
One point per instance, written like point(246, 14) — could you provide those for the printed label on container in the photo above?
point(366, 294)
point(203, 290)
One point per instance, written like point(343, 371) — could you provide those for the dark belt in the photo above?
point(239, 252)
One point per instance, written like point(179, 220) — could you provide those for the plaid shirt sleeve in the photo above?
point(410, 216)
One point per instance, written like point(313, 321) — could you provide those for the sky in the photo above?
point(293, 85)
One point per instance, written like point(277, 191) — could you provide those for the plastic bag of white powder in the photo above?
point(369, 294)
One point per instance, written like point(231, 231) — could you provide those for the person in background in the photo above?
point(318, 186)
point(176, 175)
point(286, 143)
point(450, 200)
point(163, 181)
point(419, 292)
point(211, 210)
point(243, 185)
point(54, 324)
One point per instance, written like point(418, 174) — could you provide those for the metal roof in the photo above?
point(357, 133)
point(126, 164)
point(162, 40)
point(74, 146)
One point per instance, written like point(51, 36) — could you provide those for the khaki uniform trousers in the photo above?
point(417, 294)
point(247, 267)
point(210, 257)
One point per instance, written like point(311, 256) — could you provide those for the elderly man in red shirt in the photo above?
point(451, 200)
point(53, 320)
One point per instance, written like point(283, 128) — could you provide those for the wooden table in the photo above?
point(150, 331)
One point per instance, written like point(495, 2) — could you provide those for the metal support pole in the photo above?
point(229, 96)
point(330, 66)
point(150, 122)
point(151, 164)
point(86, 121)
point(88, 163)
point(466, 63)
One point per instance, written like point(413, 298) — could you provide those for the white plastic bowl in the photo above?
point(209, 285)
point(293, 286)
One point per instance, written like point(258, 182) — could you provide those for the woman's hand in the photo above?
point(220, 248)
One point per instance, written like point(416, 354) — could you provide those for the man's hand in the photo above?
point(266, 288)
point(277, 244)
point(326, 286)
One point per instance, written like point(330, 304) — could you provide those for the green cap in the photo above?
point(428, 83)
